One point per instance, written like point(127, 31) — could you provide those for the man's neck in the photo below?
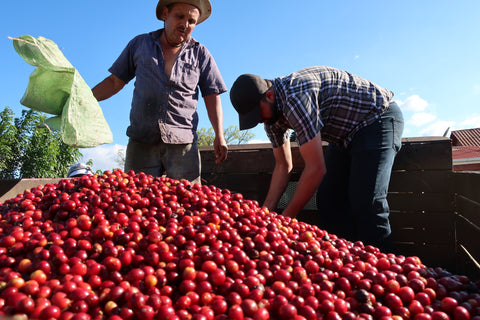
point(169, 45)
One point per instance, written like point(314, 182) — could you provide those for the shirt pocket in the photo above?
point(189, 76)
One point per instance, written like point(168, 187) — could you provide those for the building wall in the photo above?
point(467, 167)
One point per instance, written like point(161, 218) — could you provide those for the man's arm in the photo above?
point(213, 104)
point(312, 175)
point(280, 175)
point(107, 88)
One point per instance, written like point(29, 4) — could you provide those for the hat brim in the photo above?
point(203, 6)
point(250, 119)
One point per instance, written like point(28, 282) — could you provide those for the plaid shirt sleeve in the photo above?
point(303, 115)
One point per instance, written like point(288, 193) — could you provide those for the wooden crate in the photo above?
point(10, 188)
point(421, 201)
point(425, 214)
point(466, 192)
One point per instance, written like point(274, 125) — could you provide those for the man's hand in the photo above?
point(280, 175)
point(221, 149)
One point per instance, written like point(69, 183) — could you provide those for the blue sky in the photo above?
point(426, 52)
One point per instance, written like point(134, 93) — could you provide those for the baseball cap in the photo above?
point(79, 169)
point(245, 95)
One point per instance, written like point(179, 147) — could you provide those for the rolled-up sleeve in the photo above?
point(211, 81)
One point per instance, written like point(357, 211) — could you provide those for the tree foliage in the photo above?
point(232, 135)
point(120, 158)
point(30, 150)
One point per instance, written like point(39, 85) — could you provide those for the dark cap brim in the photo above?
point(250, 119)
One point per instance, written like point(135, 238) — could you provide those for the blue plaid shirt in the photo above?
point(327, 100)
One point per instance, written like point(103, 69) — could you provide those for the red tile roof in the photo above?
point(466, 137)
point(466, 158)
point(465, 152)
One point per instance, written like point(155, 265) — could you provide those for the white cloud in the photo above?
point(437, 129)
point(421, 118)
point(471, 122)
point(413, 103)
point(103, 157)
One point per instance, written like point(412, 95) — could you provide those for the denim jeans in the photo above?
point(352, 197)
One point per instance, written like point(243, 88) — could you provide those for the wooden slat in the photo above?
point(251, 158)
point(239, 147)
point(467, 184)
point(424, 154)
point(430, 227)
point(467, 223)
point(420, 219)
point(421, 181)
point(430, 255)
point(424, 140)
point(251, 186)
point(467, 234)
point(239, 161)
point(420, 237)
point(309, 216)
point(409, 227)
point(418, 202)
point(468, 209)
point(466, 264)
point(427, 235)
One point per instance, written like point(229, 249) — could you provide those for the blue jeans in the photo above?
point(352, 197)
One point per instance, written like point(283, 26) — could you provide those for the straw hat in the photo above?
point(203, 6)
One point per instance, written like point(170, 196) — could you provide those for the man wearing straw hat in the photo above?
point(170, 68)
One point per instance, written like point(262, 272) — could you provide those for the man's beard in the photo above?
point(276, 114)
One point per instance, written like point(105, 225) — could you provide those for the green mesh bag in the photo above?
point(56, 87)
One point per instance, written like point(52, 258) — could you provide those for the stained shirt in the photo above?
point(165, 108)
point(324, 100)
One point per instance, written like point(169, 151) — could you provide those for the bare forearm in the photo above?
point(280, 176)
point(278, 184)
point(306, 187)
point(312, 175)
point(107, 88)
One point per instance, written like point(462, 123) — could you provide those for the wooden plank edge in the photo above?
point(472, 260)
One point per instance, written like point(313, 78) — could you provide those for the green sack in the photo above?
point(55, 87)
